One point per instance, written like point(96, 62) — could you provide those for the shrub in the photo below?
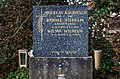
point(21, 74)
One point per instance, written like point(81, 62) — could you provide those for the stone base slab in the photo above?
point(61, 68)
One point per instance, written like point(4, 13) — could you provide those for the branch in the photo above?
point(17, 30)
point(19, 27)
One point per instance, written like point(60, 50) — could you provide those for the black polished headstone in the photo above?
point(60, 31)
point(61, 68)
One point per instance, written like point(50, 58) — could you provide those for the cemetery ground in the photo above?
point(16, 33)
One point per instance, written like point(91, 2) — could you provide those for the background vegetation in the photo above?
point(16, 32)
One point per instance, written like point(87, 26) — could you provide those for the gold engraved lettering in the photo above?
point(75, 12)
point(64, 23)
point(54, 20)
point(61, 27)
point(64, 12)
point(65, 52)
point(73, 31)
point(54, 31)
point(53, 12)
point(73, 20)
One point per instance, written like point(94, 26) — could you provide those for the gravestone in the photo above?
point(60, 43)
point(60, 31)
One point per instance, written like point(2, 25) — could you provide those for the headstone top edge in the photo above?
point(65, 57)
point(59, 6)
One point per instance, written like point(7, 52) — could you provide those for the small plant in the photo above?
point(107, 55)
point(21, 74)
point(118, 58)
point(119, 51)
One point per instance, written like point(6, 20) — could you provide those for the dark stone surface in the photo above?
point(50, 68)
point(60, 31)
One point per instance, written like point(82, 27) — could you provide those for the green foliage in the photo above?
point(13, 37)
point(107, 55)
point(106, 59)
point(118, 58)
point(21, 74)
point(119, 51)
point(100, 12)
point(102, 8)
